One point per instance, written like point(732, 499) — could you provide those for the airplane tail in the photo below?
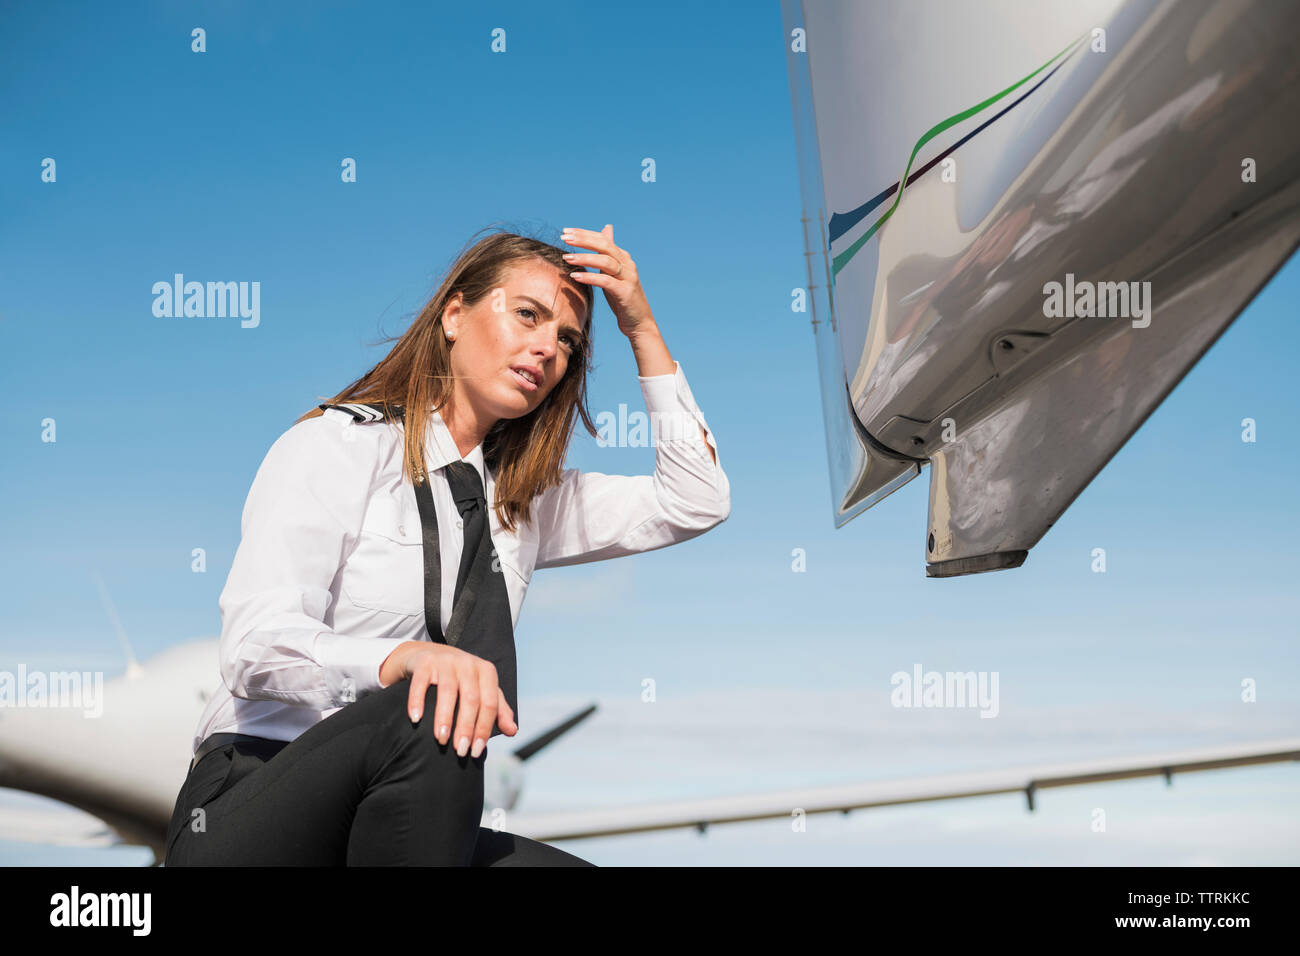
point(537, 743)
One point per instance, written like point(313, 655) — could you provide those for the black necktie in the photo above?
point(480, 613)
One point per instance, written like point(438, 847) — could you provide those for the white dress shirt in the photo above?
point(328, 578)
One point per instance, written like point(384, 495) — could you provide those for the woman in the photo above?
point(367, 649)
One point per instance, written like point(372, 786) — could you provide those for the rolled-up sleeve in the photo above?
point(592, 516)
point(310, 490)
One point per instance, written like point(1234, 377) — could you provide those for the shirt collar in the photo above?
point(440, 450)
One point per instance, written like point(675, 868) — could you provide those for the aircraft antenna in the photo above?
point(133, 668)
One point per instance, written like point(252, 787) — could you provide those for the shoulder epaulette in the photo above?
point(363, 413)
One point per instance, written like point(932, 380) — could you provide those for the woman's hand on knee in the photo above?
point(461, 676)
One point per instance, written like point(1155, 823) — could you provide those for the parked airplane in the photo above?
point(1024, 224)
point(125, 767)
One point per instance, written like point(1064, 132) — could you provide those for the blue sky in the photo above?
point(225, 166)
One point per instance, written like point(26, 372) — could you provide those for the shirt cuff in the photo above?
point(351, 664)
point(673, 412)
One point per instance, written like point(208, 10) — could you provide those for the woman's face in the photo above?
point(530, 325)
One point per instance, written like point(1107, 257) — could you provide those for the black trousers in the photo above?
point(364, 787)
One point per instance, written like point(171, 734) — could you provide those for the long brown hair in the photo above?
point(525, 453)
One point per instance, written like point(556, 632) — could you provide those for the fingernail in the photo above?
point(478, 748)
point(462, 746)
point(415, 715)
point(442, 733)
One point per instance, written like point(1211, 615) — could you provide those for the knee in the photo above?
point(397, 697)
point(422, 734)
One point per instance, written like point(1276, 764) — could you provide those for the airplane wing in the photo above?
point(701, 813)
point(1024, 224)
